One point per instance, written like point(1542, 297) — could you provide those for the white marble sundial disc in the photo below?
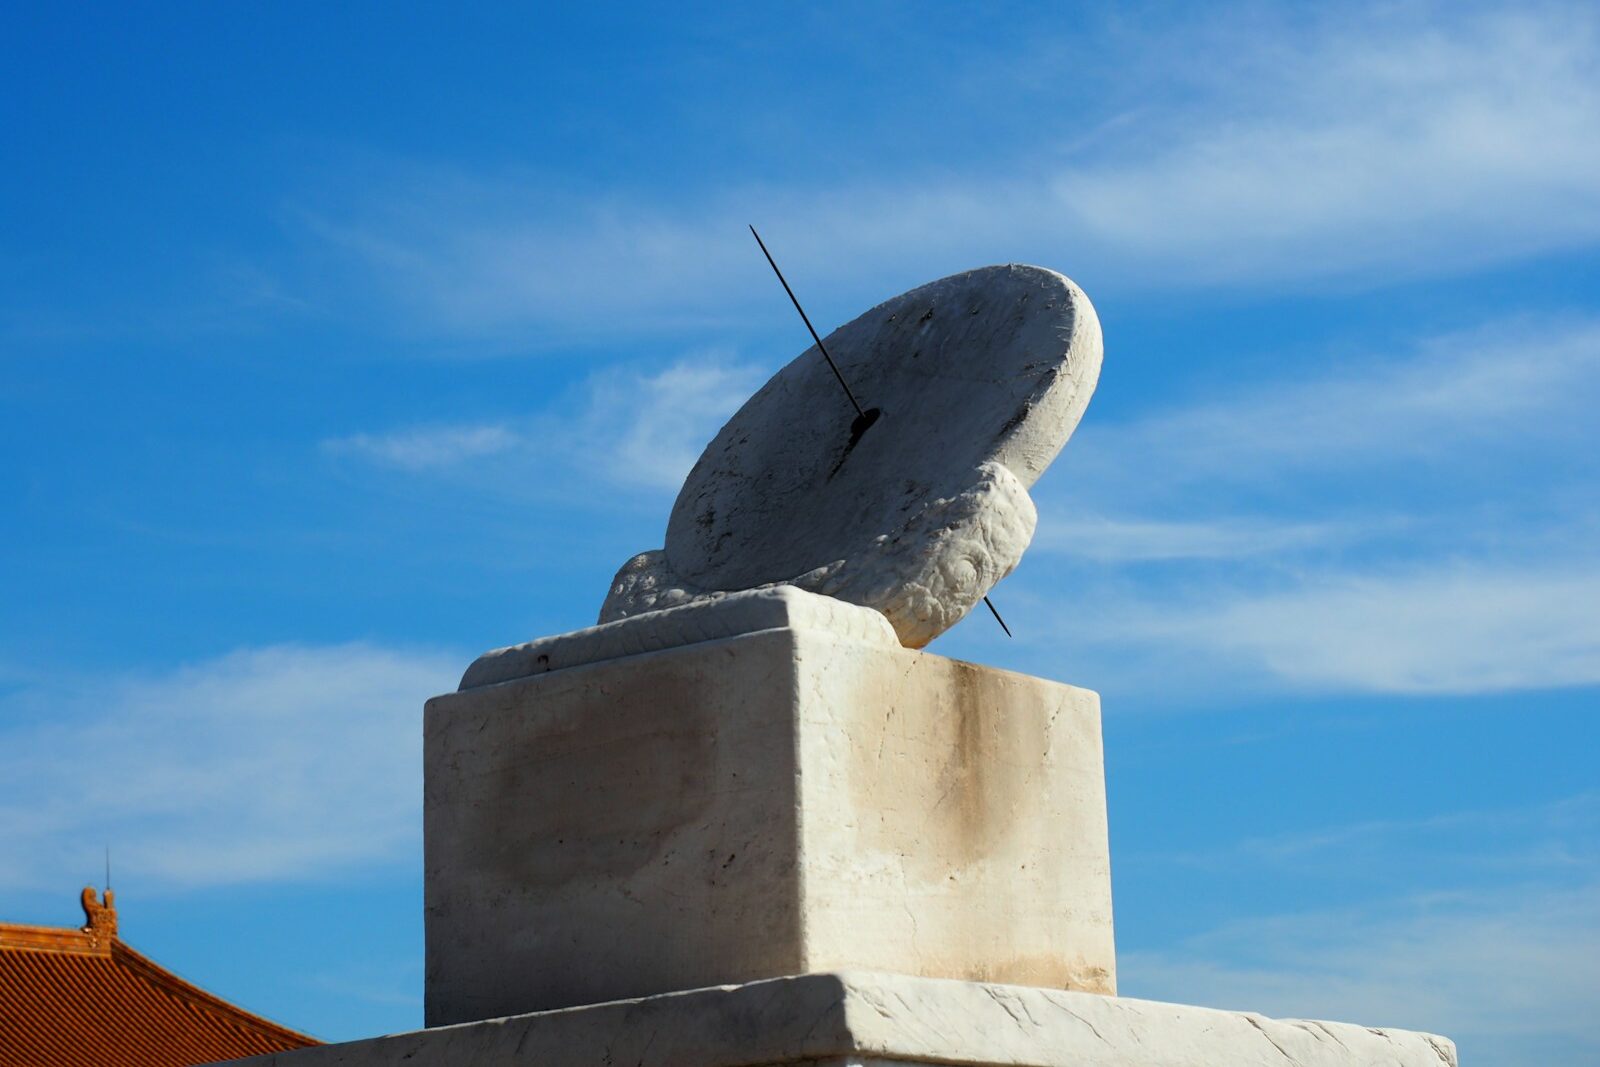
point(971, 386)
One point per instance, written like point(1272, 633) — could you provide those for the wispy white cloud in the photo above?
point(269, 764)
point(1418, 523)
point(1450, 400)
point(427, 448)
point(1495, 945)
point(1434, 629)
point(652, 425)
point(1363, 147)
point(1389, 140)
point(1508, 975)
point(1114, 540)
point(1329, 626)
point(635, 427)
point(1555, 842)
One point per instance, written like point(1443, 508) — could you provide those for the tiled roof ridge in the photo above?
point(85, 998)
point(182, 989)
point(22, 937)
point(93, 938)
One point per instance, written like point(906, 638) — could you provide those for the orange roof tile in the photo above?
point(82, 997)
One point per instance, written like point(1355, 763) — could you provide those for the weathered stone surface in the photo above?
point(876, 1020)
point(780, 802)
point(972, 384)
point(720, 615)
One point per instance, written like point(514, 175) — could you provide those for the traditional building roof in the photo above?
point(82, 997)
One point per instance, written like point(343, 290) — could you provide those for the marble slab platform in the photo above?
point(860, 1019)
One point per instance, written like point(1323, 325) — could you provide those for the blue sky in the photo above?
point(341, 344)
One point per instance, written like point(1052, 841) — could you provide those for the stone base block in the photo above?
point(875, 1020)
point(807, 797)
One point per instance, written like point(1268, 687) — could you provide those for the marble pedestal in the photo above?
point(877, 1020)
point(760, 832)
point(769, 785)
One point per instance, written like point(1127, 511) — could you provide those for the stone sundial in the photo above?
point(909, 492)
point(741, 822)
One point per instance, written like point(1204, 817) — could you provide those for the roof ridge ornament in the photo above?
point(100, 914)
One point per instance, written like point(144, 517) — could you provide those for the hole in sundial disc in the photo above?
point(858, 427)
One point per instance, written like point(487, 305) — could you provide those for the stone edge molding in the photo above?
point(866, 1015)
point(723, 615)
